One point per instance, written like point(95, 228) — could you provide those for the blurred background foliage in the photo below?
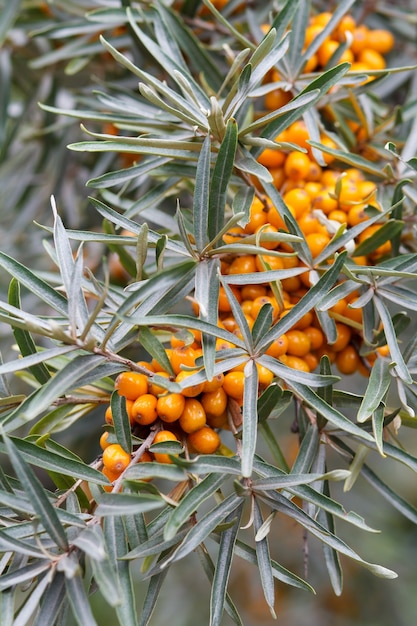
point(51, 54)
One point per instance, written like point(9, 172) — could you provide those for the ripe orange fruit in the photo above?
point(182, 356)
point(234, 384)
point(170, 406)
point(103, 440)
point(344, 334)
point(204, 441)
point(193, 416)
point(299, 343)
point(115, 459)
point(192, 390)
point(214, 402)
point(144, 409)
point(131, 384)
point(317, 242)
point(347, 360)
point(160, 437)
point(297, 165)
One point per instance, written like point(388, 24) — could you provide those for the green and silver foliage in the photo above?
point(186, 108)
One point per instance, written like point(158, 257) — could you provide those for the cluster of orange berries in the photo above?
point(190, 417)
point(322, 200)
point(364, 50)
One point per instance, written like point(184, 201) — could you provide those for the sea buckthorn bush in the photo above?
point(228, 321)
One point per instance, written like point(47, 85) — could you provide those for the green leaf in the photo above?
point(121, 422)
point(24, 339)
point(201, 196)
point(117, 504)
point(191, 502)
point(78, 599)
point(331, 556)
point(36, 285)
point(206, 294)
point(9, 15)
point(249, 417)
point(223, 567)
point(152, 595)
point(272, 402)
point(330, 413)
point(37, 495)
point(204, 528)
point(399, 364)
point(52, 601)
point(308, 450)
point(220, 179)
point(22, 575)
point(115, 537)
point(264, 560)
point(379, 382)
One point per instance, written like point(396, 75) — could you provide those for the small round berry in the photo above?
point(144, 409)
point(131, 384)
point(204, 441)
point(214, 402)
point(161, 437)
point(170, 406)
point(193, 416)
point(115, 459)
point(234, 384)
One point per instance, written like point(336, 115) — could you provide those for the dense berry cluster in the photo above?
point(324, 202)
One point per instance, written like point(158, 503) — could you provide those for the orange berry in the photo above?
point(144, 409)
point(214, 402)
point(265, 376)
point(214, 384)
point(193, 390)
point(298, 343)
point(298, 199)
point(315, 335)
point(325, 202)
point(193, 416)
point(309, 224)
point(276, 99)
point(278, 347)
point(234, 235)
point(103, 440)
point(326, 51)
point(372, 59)
point(161, 437)
point(297, 133)
point(115, 458)
point(182, 356)
point(360, 38)
point(170, 406)
point(233, 384)
point(257, 217)
point(146, 365)
point(290, 284)
point(224, 304)
point(109, 416)
point(268, 228)
point(271, 158)
point(357, 215)
point(353, 314)
point(112, 476)
point(218, 421)
point(344, 334)
point(131, 384)
point(204, 441)
point(274, 262)
point(258, 303)
point(347, 360)
point(380, 40)
point(244, 264)
point(347, 23)
point(317, 242)
point(338, 216)
point(250, 292)
point(278, 176)
point(311, 360)
point(295, 362)
point(297, 165)
point(311, 33)
point(381, 250)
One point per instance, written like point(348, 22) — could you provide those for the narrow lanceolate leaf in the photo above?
point(32, 602)
point(331, 556)
point(204, 528)
point(264, 560)
point(37, 495)
point(191, 502)
point(223, 567)
point(24, 339)
point(152, 595)
point(201, 195)
point(23, 574)
point(222, 173)
point(155, 348)
point(117, 547)
point(397, 358)
point(36, 285)
point(308, 450)
point(206, 293)
point(249, 417)
point(64, 381)
point(378, 428)
point(52, 601)
point(115, 504)
point(10, 543)
point(330, 413)
point(379, 382)
point(121, 422)
point(79, 602)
